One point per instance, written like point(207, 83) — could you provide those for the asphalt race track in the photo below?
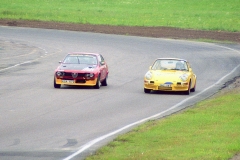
point(40, 122)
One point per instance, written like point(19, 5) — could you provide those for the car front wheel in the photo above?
point(189, 89)
point(97, 86)
point(56, 85)
point(147, 90)
point(104, 82)
point(194, 88)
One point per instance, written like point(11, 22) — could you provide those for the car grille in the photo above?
point(67, 74)
point(76, 76)
point(80, 81)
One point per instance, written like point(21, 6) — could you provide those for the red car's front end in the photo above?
point(82, 70)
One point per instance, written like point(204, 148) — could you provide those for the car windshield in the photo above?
point(169, 64)
point(81, 59)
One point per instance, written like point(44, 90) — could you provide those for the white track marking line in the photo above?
point(91, 143)
point(15, 65)
point(33, 51)
point(46, 55)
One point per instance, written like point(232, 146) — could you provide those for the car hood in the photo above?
point(168, 75)
point(81, 67)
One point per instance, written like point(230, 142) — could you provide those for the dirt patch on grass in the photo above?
point(157, 32)
point(232, 86)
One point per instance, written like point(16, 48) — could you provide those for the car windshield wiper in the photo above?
point(163, 69)
point(179, 69)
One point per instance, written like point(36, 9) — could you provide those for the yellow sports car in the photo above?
point(170, 74)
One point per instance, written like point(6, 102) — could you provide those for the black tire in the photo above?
point(104, 82)
point(194, 88)
point(97, 86)
point(147, 90)
point(189, 89)
point(56, 85)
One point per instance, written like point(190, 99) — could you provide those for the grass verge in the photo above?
point(201, 15)
point(209, 130)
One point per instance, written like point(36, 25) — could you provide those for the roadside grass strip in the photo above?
point(208, 130)
point(220, 15)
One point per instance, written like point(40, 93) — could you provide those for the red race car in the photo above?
point(81, 69)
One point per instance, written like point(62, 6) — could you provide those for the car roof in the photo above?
point(83, 53)
point(179, 59)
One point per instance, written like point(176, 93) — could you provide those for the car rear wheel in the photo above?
point(97, 86)
point(104, 82)
point(147, 90)
point(56, 85)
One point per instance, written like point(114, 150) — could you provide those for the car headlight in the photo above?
point(148, 75)
point(60, 73)
point(184, 77)
point(90, 75)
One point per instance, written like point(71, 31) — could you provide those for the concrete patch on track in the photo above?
point(15, 53)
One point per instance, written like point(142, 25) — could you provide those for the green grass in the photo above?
point(210, 131)
point(221, 15)
point(212, 41)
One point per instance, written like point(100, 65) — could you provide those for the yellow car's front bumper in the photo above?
point(178, 86)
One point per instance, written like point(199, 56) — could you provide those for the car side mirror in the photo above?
point(150, 67)
point(60, 62)
point(102, 62)
point(190, 69)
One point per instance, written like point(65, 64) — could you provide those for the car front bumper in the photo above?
point(77, 82)
point(178, 86)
